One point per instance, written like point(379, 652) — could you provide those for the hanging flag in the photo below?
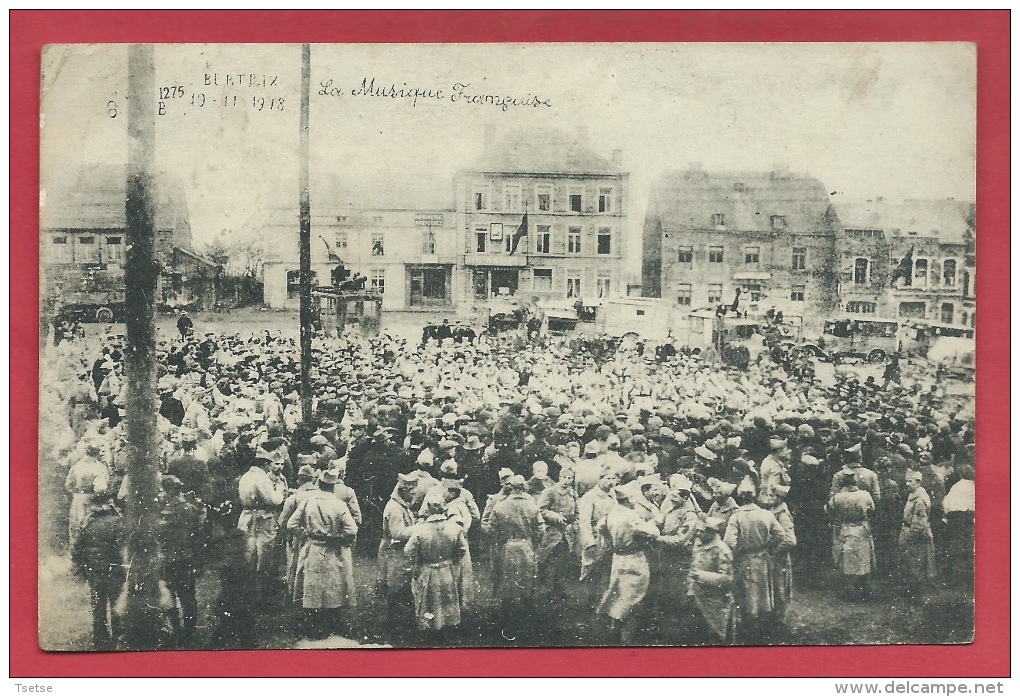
point(333, 257)
point(905, 268)
point(522, 232)
point(736, 301)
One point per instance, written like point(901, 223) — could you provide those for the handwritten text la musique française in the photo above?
point(460, 93)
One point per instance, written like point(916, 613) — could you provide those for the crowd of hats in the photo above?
point(435, 399)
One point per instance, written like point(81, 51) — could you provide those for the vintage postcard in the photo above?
point(506, 345)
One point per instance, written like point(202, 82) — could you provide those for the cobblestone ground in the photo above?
point(817, 616)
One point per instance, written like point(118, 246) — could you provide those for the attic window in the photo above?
point(778, 222)
point(718, 219)
point(740, 187)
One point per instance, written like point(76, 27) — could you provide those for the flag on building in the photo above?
point(904, 269)
point(522, 232)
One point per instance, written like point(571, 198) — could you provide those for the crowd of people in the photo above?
point(686, 498)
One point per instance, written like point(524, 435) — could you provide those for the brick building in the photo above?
point(937, 239)
point(576, 205)
point(770, 234)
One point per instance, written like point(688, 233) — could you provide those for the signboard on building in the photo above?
point(429, 220)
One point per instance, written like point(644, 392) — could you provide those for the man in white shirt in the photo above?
point(261, 499)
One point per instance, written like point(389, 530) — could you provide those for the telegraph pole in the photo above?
point(141, 272)
point(305, 245)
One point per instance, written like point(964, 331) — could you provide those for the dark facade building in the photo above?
point(912, 259)
point(772, 235)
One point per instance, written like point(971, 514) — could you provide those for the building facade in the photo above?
point(398, 233)
point(573, 205)
point(770, 235)
point(83, 230)
point(912, 259)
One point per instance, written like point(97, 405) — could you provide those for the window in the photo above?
point(714, 293)
point(797, 294)
point(605, 200)
point(861, 307)
point(914, 310)
point(511, 197)
point(481, 200)
point(683, 294)
point(718, 219)
point(114, 248)
point(574, 240)
point(603, 286)
point(575, 202)
point(947, 313)
point(973, 320)
point(573, 284)
point(949, 273)
point(605, 242)
point(685, 255)
point(378, 244)
point(428, 242)
point(542, 279)
point(740, 187)
point(542, 239)
point(799, 259)
point(377, 220)
point(87, 240)
point(752, 255)
point(481, 234)
point(921, 273)
point(60, 251)
point(377, 280)
point(544, 198)
point(508, 243)
point(908, 278)
point(861, 267)
point(341, 239)
point(715, 255)
point(754, 291)
point(778, 223)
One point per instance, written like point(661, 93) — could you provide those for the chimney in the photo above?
point(618, 158)
point(490, 136)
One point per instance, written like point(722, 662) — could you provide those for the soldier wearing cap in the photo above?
point(753, 534)
point(710, 584)
point(669, 588)
point(629, 532)
point(322, 570)
point(435, 548)
point(306, 479)
point(853, 548)
point(181, 544)
point(395, 569)
point(515, 528)
point(97, 553)
point(556, 559)
point(916, 541)
point(261, 498)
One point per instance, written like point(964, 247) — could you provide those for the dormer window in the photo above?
point(718, 219)
point(740, 187)
point(778, 223)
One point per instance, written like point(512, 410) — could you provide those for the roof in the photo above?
point(688, 200)
point(94, 197)
point(946, 219)
point(332, 195)
point(544, 151)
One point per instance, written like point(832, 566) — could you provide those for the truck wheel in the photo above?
point(876, 356)
point(105, 315)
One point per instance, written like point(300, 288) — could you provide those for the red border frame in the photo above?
point(987, 656)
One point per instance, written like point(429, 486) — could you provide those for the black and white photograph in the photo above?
point(506, 345)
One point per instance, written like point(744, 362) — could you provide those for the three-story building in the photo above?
point(571, 203)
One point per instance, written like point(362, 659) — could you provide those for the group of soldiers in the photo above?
point(494, 478)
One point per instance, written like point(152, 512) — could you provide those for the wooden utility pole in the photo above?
point(141, 272)
point(305, 244)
